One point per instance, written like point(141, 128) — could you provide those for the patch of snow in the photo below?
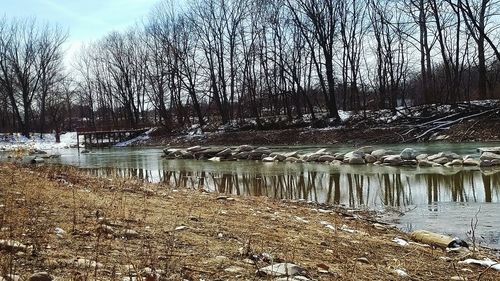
point(9, 142)
point(344, 115)
point(144, 136)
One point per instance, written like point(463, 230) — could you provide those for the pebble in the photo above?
point(41, 276)
point(234, 269)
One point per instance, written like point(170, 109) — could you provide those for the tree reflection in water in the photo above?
point(396, 189)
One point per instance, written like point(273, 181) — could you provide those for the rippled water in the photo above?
point(438, 199)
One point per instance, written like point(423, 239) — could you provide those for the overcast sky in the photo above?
point(86, 20)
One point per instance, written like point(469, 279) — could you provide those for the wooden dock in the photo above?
point(106, 138)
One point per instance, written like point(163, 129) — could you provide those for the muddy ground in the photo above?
point(78, 227)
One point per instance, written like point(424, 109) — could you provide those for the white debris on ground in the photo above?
point(137, 140)
point(400, 241)
point(486, 263)
point(9, 142)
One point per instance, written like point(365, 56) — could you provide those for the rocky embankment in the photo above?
point(488, 157)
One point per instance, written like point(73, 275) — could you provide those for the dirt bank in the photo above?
point(68, 221)
point(456, 126)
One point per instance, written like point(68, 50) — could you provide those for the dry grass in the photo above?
point(219, 233)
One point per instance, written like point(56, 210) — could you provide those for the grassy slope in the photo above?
point(36, 200)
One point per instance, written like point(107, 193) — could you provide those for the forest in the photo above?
point(212, 63)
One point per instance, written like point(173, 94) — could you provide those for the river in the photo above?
point(440, 199)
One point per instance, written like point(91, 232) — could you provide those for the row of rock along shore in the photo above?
point(488, 156)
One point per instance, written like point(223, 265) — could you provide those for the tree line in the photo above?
point(213, 62)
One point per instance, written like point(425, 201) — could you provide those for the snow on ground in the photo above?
point(16, 141)
point(137, 140)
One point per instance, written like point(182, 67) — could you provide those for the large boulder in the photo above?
point(370, 158)
point(225, 152)
point(495, 150)
point(449, 155)
point(421, 157)
point(244, 148)
point(356, 161)
point(392, 160)
point(379, 153)
point(408, 154)
point(326, 158)
point(471, 162)
point(425, 163)
point(278, 156)
point(489, 156)
point(365, 149)
point(354, 158)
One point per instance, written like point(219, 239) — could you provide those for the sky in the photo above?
point(85, 20)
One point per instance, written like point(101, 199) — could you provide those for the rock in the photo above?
point(495, 150)
point(392, 160)
point(356, 161)
point(291, 159)
point(354, 158)
point(408, 154)
point(363, 260)
point(489, 156)
point(244, 148)
point(292, 154)
point(339, 156)
point(458, 278)
point(215, 159)
point(242, 155)
point(354, 154)
point(425, 163)
point(234, 269)
point(210, 152)
point(456, 162)
point(85, 263)
point(278, 156)
point(449, 155)
point(106, 229)
point(409, 162)
point(379, 153)
point(181, 227)
point(194, 149)
point(470, 162)
point(441, 160)
point(40, 276)
point(85, 151)
point(421, 157)
point(130, 234)
point(184, 154)
point(336, 163)
point(268, 159)
point(12, 246)
point(370, 158)
point(281, 269)
point(485, 163)
point(326, 158)
point(225, 152)
point(59, 232)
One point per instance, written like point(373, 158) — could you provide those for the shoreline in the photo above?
point(118, 226)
